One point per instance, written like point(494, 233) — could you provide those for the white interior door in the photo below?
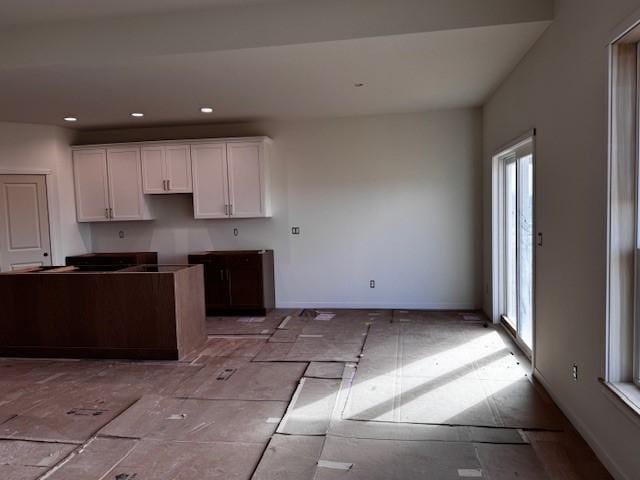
point(153, 169)
point(92, 189)
point(246, 196)
point(125, 184)
point(210, 184)
point(178, 168)
point(24, 222)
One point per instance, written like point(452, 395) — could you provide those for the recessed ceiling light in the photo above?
point(206, 110)
point(358, 85)
point(70, 119)
point(137, 114)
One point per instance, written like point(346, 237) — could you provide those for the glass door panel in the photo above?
point(511, 241)
point(525, 249)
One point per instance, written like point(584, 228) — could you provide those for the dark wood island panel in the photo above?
point(114, 258)
point(143, 312)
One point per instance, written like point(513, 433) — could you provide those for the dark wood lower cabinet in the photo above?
point(237, 282)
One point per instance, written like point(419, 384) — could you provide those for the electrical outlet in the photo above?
point(295, 230)
point(574, 372)
point(372, 284)
point(235, 232)
point(121, 233)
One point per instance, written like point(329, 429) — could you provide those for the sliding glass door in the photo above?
point(517, 240)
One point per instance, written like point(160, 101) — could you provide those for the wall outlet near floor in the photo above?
point(295, 230)
point(121, 233)
point(235, 232)
point(372, 284)
point(574, 372)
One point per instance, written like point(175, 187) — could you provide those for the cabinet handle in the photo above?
point(110, 212)
point(106, 213)
point(230, 209)
point(169, 184)
point(164, 185)
point(226, 209)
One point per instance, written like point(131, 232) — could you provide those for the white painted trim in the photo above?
point(54, 225)
point(381, 305)
point(624, 27)
point(521, 139)
point(626, 401)
point(584, 431)
point(495, 238)
point(188, 141)
point(606, 367)
point(25, 171)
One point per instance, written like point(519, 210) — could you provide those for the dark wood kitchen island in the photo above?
point(141, 312)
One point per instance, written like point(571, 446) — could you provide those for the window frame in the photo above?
point(636, 313)
point(621, 370)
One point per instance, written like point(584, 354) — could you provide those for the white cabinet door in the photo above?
point(92, 194)
point(246, 179)
point(153, 169)
point(125, 184)
point(178, 168)
point(210, 188)
point(24, 222)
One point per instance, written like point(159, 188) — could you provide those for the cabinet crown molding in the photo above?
point(190, 141)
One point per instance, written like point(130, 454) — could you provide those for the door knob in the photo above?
point(45, 254)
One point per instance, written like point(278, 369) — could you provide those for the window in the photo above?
point(622, 368)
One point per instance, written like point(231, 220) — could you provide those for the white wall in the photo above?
point(560, 88)
point(393, 198)
point(34, 148)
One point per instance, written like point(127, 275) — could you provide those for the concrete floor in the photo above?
point(298, 395)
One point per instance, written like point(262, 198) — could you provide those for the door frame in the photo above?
point(47, 174)
point(497, 238)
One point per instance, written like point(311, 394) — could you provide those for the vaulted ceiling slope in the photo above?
point(254, 58)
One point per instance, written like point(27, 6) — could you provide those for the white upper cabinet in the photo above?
point(166, 168)
point(231, 179)
point(92, 188)
point(125, 180)
point(210, 185)
point(108, 183)
point(246, 179)
point(178, 168)
point(153, 174)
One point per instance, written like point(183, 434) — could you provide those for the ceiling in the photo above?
point(23, 12)
point(288, 59)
